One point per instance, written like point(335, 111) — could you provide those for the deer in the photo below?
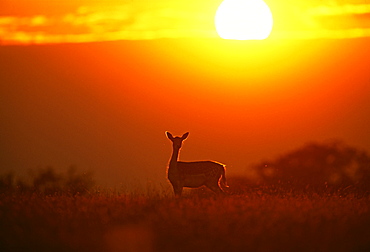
point(193, 174)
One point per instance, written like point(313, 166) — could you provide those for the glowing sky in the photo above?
point(96, 84)
point(39, 22)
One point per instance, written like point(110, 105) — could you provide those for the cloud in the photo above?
point(346, 9)
point(122, 22)
point(337, 21)
point(324, 33)
point(140, 22)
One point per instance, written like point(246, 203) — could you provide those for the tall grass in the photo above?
point(252, 221)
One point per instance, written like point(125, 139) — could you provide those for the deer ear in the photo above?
point(185, 136)
point(169, 135)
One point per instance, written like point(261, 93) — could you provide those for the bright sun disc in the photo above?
point(243, 20)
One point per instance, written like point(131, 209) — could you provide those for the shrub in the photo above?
point(48, 181)
point(315, 166)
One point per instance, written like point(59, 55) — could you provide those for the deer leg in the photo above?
point(215, 187)
point(177, 189)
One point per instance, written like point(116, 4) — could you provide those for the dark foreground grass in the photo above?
point(127, 222)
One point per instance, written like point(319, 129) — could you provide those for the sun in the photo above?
point(243, 20)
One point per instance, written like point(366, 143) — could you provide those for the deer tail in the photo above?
point(223, 178)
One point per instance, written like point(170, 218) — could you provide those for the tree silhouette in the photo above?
point(48, 181)
point(319, 165)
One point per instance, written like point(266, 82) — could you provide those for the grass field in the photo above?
point(158, 222)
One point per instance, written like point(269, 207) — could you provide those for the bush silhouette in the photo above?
point(7, 182)
point(318, 166)
point(48, 181)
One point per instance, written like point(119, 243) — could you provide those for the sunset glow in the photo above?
point(243, 20)
point(184, 125)
point(115, 20)
point(96, 83)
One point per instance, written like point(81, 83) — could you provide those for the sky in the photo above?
point(95, 84)
point(40, 21)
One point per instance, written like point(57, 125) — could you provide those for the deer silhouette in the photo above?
point(193, 174)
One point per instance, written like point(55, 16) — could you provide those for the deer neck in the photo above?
point(172, 168)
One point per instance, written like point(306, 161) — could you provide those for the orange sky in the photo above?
point(104, 106)
point(40, 22)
